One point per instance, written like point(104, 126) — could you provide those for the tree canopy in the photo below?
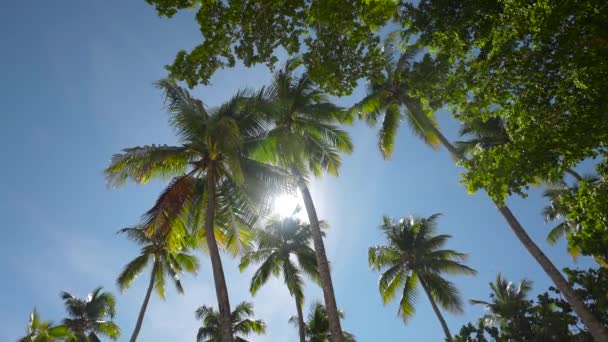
point(338, 40)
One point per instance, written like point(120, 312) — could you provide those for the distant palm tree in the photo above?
point(304, 138)
point(413, 256)
point(508, 305)
point(317, 325)
point(280, 245)
point(165, 262)
point(213, 178)
point(44, 331)
point(241, 323)
point(393, 92)
point(91, 316)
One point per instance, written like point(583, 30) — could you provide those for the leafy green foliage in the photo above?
point(338, 40)
point(317, 325)
point(413, 253)
point(513, 317)
point(539, 66)
point(580, 210)
point(90, 317)
point(242, 323)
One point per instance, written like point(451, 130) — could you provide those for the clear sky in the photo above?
point(76, 81)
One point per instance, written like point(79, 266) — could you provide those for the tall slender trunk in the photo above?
point(595, 327)
point(301, 325)
point(221, 290)
point(335, 330)
point(444, 325)
point(142, 311)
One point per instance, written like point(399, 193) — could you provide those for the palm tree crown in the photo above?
point(390, 99)
point(43, 331)
point(413, 256)
point(242, 323)
point(165, 261)
point(216, 139)
point(91, 316)
point(508, 303)
point(281, 240)
point(317, 324)
point(303, 131)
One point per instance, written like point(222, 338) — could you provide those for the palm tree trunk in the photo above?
point(300, 319)
point(444, 325)
point(333, 317)
point(597, 330)
point(142, 311)
point(595, 327)
point(221, 290)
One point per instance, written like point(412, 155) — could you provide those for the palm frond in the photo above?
point(131, 270)
point(141, 164)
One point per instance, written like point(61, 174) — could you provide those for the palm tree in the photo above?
point(241, 322)
point(279, 245)
point(388, 97)
point(508, 306)
point(317, 326)
point(165, 262)
point(213, 178)
point(91, 316)
point(43, 331)
point(412, 256)
point(305, 140)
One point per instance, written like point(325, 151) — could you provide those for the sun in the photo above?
point(285, 205)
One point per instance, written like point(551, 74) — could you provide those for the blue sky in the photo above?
point(77, 87)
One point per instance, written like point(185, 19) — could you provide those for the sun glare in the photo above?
point(285, 206)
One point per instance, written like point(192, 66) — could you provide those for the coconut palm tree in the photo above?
point(508, 306)
point(240, 320)
point(91, 316)
point(44, 331)
point(212, 178)
point(392, 94)
point(305, 140)
point(280, 245)
point(412, 257)
point(165, 262)
point(316, 326)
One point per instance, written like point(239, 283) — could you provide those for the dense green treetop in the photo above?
point(338, 40)
point(539, 66)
